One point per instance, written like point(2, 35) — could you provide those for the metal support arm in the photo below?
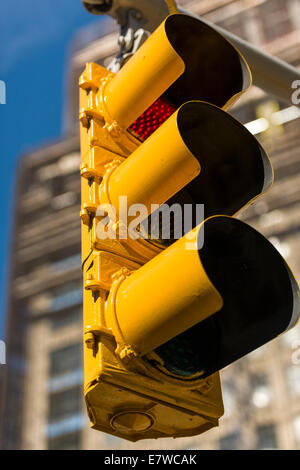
point(269, 73)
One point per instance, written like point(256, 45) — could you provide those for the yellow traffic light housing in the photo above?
point(163, 315)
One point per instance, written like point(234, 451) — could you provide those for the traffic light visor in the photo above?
point(200, 155)
point(184, 59)
point(234, 167)
point(260, 301)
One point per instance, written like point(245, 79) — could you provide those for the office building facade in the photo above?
point(43, 404)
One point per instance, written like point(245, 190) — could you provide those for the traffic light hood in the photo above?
point(234, 166)
point(260, 300)
point(184, 162)
point(183, 60)
point(214, 70)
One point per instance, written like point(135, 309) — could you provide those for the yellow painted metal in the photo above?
point(167, 57)
point(172, 6)
point(100, 149)
point(98, 129)
point(136, 296)
point(125, 395)
point(187, 297)
point(130, 400)
point(157, 170)
point(143, 79)
point(102, 152)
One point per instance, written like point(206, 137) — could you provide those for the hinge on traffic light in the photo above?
point(102, 129)
point(124, 350)
point(129, 41)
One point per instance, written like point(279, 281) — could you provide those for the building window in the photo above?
point(261, 393)
point(64, 200)
point(252, 27)
point(230, 442)
point(64, 404)
point(66, 318)
point(65, 360)
point(296, 426)
point(294, 11)
point(293, 379)
point(16, 363)
point(70, 441)
point(65, 165)
point(62, 382)
point(234, 24)
point(64, 264)
point(275, 19)
point(71, 424)
point(67, 296)
point(65, 416)
point(266, 437)
point(229, 397)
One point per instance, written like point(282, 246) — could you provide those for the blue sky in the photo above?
point(34, 41)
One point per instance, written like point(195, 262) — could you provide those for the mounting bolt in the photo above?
point(90, 340)
point(127, 353)
point(114, 129)
point(84, 119)
point(85, 216)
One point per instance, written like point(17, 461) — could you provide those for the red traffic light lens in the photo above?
point(152, 118)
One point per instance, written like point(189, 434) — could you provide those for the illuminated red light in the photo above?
point(152, 118)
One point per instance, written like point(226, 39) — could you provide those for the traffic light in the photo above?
point(163, 314)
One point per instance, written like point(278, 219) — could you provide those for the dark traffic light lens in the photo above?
point(261, 300)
